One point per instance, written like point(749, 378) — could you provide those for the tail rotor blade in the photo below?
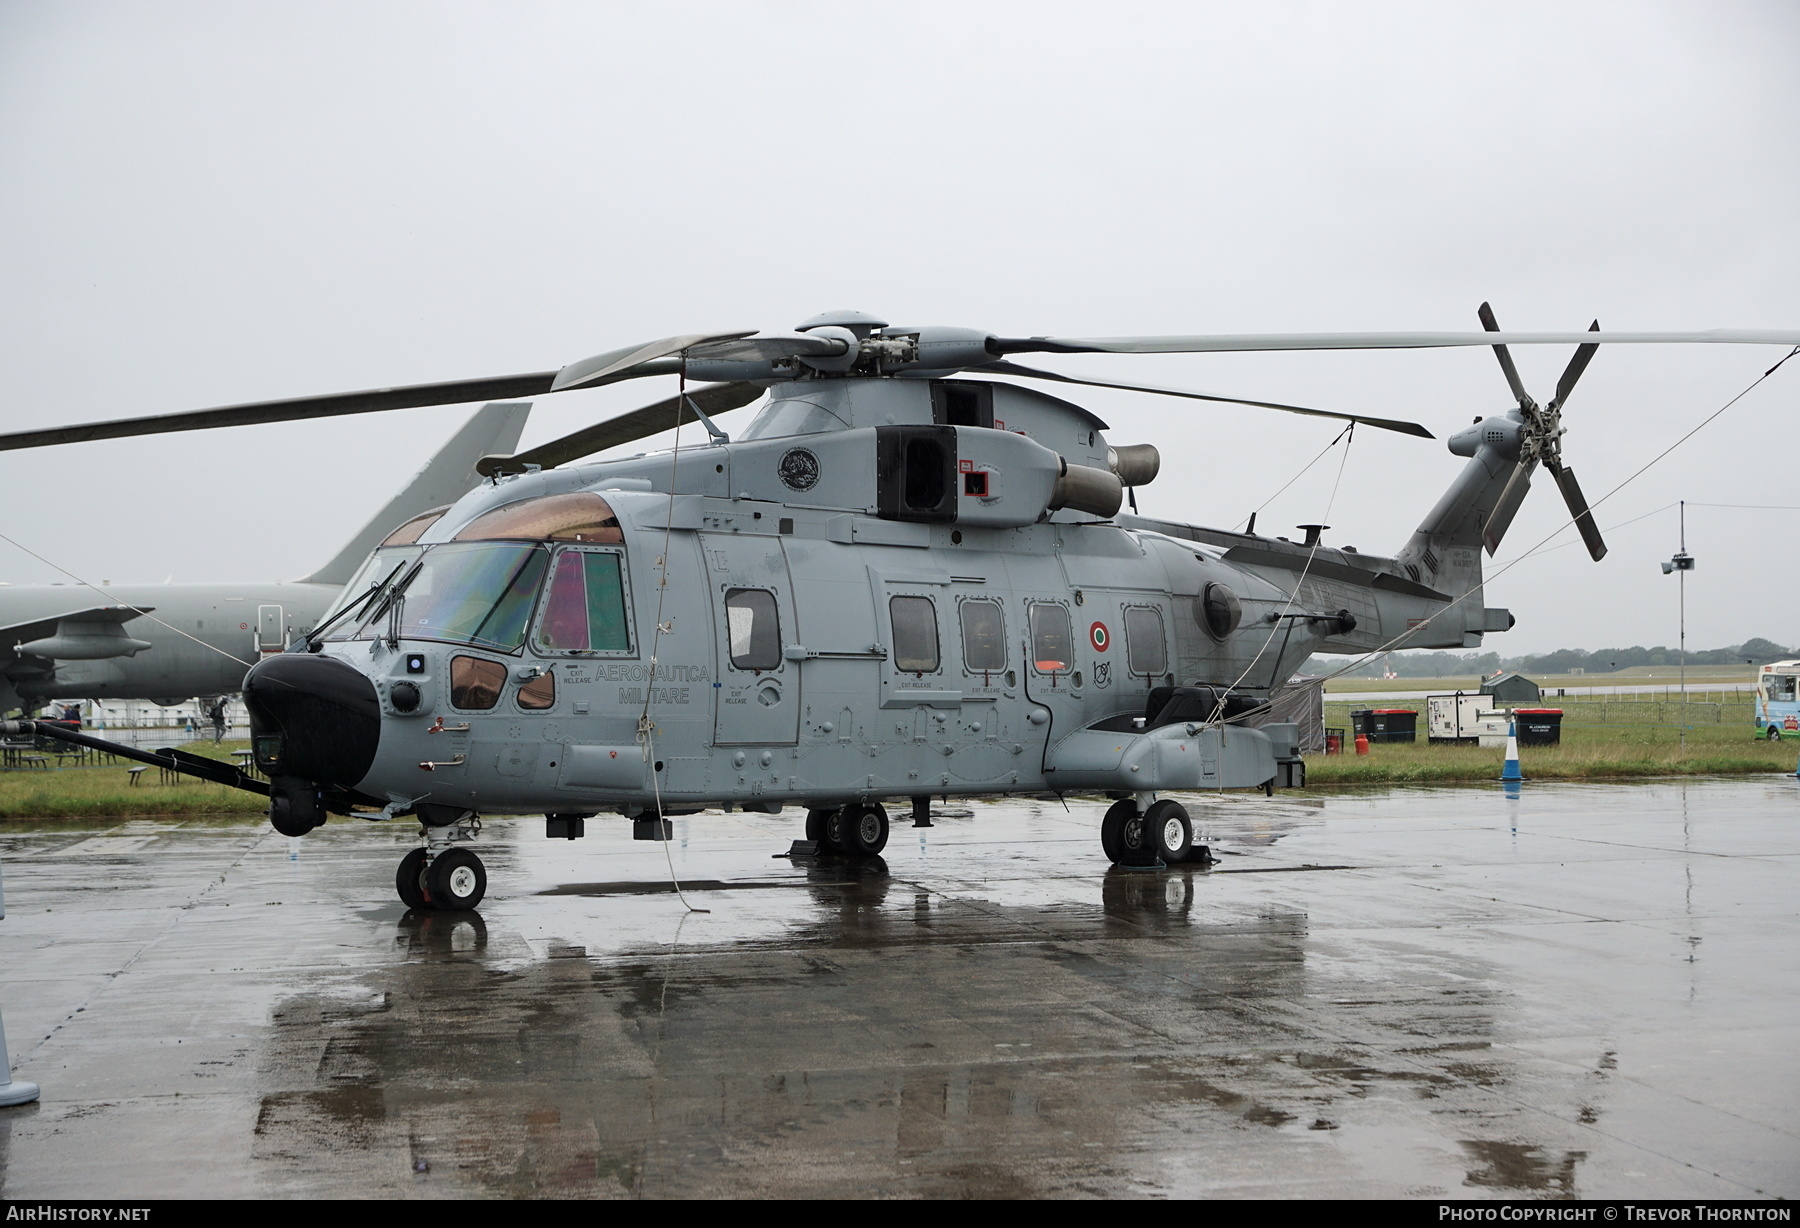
point(1501, 518)
point(1506, 363)
point(1578, 508)
point(1584, 354)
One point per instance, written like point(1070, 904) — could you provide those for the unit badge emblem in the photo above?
point(799, 469)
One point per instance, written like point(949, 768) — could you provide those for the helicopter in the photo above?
point(909, 577)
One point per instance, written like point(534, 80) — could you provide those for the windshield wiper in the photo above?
point(317, 634)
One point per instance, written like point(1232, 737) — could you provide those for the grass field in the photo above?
point(1601, 737)
point(105, 790)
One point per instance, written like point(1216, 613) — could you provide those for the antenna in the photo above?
point(1681, 564)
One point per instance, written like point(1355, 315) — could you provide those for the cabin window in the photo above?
point(1052, 640)
point(1146, 652)
point(1779, 688)
point(539, 693)
point(754, 628)
point(479, 594)
point(915, 634)
point(584, 610)
point(983, 637)
point(1219, 611)
point(475, 684)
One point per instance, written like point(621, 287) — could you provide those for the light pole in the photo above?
point(1681, 564)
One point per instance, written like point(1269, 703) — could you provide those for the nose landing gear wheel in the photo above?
point(863, 829)
point(456, 880)
point(409, 880)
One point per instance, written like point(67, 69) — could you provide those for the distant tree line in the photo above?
point(1562, 661)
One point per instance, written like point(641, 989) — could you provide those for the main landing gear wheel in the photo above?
point(409, 880)
point(822, 829)
point(1122, 830)
point(1170, 833)
point(456, 880)
point(863, 829)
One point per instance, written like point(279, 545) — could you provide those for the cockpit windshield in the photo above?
point(478, 593)
point(480, 588)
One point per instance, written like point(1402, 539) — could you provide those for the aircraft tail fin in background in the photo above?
point(445, 478)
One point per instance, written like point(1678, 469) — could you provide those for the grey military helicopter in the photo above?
point(908, 577)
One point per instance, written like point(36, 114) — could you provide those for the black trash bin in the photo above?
point(1538, 726)
point(1386, 724)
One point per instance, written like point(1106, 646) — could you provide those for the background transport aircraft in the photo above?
point(170, 642)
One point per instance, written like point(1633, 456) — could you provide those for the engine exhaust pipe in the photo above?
point(1086, 489)
point(1136, 464)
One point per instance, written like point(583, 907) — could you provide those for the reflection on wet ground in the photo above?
point(1588, 992)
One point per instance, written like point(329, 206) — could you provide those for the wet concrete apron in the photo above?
point(1400, 992)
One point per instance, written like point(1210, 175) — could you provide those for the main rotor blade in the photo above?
point(746, 345)
point(1511, 496)
point(1578, 508)
point(765, 346)
point(604, 368)
point(713, 399)
point(1014, 369)
point(411, 396)
point(1506, 363)
point(1231, 343)
point(1584, 354)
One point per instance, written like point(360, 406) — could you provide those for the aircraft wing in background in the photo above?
point(93, 634)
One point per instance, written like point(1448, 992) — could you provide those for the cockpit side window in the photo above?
point(585, 609)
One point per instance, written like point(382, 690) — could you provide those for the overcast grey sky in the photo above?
point(206, 203)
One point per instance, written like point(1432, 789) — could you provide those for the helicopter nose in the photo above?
point(312, 717)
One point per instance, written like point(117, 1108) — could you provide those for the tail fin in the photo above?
point(445, 478)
